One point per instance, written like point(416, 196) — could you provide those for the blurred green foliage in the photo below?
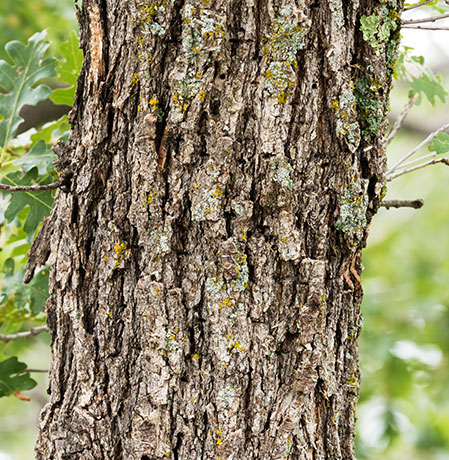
point(19, 19)
point(404, 346)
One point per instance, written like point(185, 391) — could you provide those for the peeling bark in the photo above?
point(205, 283)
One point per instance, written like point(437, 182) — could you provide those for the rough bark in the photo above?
point(205, 283)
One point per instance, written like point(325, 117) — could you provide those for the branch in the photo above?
point(31, 188)
point(43, 371)
point(420, 21)
point(408, 8)
point(419, 203)
point(401, 118)
point(413, 151)
point(425, 27)
point(427, 163)
point(21, 335)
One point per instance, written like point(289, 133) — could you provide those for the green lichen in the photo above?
point(283, 172)
point(171, 344)
point(283, 44)
point(378, 28)
point(147, 16)
point(243, 272)
point(352, 219)
point(370, 105)
point(214, 285)
point(203, 33)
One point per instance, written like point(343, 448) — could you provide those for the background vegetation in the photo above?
point(404, 401)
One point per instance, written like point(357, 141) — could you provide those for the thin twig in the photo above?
point(31, 188)
point(401, 118)
point(425, 27)
point(43, 371)
point(408, 8)
point(419, 203)
point(413, 151)
point(423, 165)
point(423, 20)
point(424, 157)
point(21, 335)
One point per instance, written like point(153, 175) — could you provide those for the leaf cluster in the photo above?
point(27, 159)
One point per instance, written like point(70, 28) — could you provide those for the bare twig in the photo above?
point(419, 203)
point(413, 151)
point(31, 188)
point(423, 20)
point(424, 157)
point(425, 27)
point(43, 371)
point(401, 118)
point(408, 8)
point(423, 165)
point(20, 335)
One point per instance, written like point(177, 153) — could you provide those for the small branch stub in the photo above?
point(419, 203)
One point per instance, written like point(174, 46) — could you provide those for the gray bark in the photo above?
point(205, 283)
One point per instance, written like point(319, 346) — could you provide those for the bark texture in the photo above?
point(205, 284)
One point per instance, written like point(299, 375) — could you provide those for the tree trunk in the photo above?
point(205, 284)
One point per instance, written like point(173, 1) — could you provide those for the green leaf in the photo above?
point(429, 86)
point(440, 143)
point(68, 70)
point(19, 82)
point(12, 377)
point(40, 156)
point(51, 132)
point(39, 203)
point(25, 297)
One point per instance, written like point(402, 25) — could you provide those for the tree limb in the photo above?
point(419, 203)
point(21, 335)
point(31, 188)
point(423, 20)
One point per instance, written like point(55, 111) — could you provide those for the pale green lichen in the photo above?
point(283, 172)
point(163, 243)
point(337, 13)
point(225, 396)
point(352, 219)
point(243, 272)
point(207, 198)
point(171, 343)
point(378, 28)
point(283, 44)
point(147, 16)
point(214, 285)
point(203, 33)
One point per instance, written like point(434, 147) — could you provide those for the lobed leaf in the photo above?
point(25, 297)
point(39, 203)
point(68, 70)
point(40, 156)
point(440, 143)
point(430, 87)
point(19, 82)
point(13, 378)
